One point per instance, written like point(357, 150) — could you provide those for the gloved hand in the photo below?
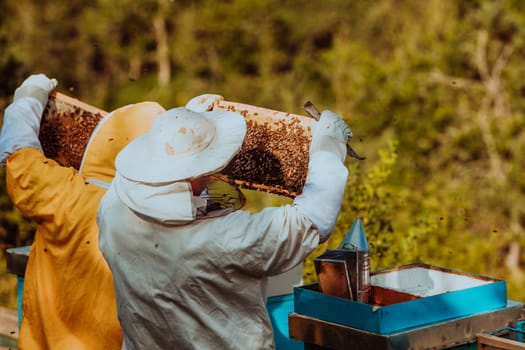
point(327, 173)
point(21, 124)
point(330, 134)
point(203, 103)
point(38, 86)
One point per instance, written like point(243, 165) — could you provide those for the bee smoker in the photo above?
point(345, 272)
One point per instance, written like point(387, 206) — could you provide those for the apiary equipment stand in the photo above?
point(413, 306)
point(508, 338)
point(458, 333)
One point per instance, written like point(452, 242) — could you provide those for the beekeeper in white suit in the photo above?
point(187, 278)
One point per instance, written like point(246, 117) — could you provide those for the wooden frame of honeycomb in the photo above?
point(273, 158)
point(275, 153)
point(66, 127)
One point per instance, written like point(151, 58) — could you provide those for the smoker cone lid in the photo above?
point(355, 239)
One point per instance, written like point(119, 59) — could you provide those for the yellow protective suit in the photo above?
point(69, 299)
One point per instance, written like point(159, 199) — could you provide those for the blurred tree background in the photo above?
point(433, 91)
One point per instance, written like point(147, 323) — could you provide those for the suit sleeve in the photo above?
point(55, 197)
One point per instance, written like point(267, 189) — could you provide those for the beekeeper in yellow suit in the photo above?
point(68, 298)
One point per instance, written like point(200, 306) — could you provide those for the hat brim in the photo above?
point(135, 163)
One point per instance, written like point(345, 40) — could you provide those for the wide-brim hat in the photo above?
point(112, 134)
point(183, 144)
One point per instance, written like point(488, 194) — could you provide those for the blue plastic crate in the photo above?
point(279, 307)
point(477, 294)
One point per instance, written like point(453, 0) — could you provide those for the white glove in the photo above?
point(21, 124)
point(323, 191)
point(203, 103)
point(330, 134)
point(37, 86)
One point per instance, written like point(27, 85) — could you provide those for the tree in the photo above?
point(433, 91)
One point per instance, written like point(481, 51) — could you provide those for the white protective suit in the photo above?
point(201, 284)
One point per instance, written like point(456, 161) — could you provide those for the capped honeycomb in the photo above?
point(66, 127)
point(274, 155)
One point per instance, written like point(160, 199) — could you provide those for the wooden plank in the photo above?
point(450, 334)
point(492, 342)
point(8, 328)
point(8, 322)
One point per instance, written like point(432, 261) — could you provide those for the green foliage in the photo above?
point(8, 285)
point(15, 230)
point(433, 91)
